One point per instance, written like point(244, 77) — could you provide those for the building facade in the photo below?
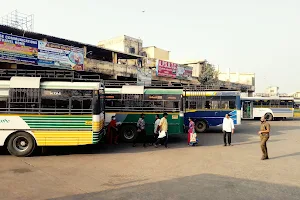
point(124, 44)
point(157, 53)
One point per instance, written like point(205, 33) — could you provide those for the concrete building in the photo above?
point(197, 65)
point(236, 77)
point(296, 95)
point(272, 90)
point(156, 53)
point(124, 44)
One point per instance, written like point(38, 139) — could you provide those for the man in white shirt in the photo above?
point(228, 129)
point(156, 131)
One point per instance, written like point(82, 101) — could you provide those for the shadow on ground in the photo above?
point(204, 186)
point(213, 137)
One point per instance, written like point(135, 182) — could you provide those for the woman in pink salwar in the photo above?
point(191, 131)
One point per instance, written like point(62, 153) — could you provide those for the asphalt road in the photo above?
point(209, 171)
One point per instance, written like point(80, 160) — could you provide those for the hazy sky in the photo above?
point(260, 36)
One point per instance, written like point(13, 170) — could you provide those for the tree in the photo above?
point(209, 75)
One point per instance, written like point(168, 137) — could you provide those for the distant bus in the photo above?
point(297, 108)
point(128, 102)
point(49, 113)
point(208, 108)
point(269, 107)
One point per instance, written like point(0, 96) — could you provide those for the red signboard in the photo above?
point(173, 70)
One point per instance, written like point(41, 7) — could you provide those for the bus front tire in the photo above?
point(200, 126)
point(21, 144)
point(128, 133)
point(268, 116)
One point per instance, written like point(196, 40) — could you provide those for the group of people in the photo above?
point(160, 134)
point(264, 133)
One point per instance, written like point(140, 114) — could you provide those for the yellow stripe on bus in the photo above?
point(63, 138)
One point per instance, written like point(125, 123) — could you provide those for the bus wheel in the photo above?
point(200, 126)
point(128, 133)
point(21, 144)
point(268, 116)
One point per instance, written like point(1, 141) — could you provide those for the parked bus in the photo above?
point(297, 108)
point(269, 107)
point(49, 113)
point(128, 102)
point(208, 108)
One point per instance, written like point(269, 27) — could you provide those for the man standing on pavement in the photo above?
point(141, 132)
point(264, 135)
point(228, 129)
point(163, 131)
point(156, 130)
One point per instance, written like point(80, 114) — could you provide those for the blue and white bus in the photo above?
point(208, 108)
point(269, 107)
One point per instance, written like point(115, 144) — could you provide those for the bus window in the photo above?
point(257, 103)
point(207, 105)
point(265, 103)
point(290, 104)
point(274, 103)
point(232, 104)
point(3, 104)
point(215, 104)
point(192, 105)
point(283, 104)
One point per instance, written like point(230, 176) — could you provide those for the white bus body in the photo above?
point(269, 107)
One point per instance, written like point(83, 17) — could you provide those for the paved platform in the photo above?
point(209, 171)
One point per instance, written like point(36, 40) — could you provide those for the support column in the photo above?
point(114, 57)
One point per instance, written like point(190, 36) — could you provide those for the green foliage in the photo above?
point(209, 75)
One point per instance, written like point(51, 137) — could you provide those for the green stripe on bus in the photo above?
point(163, 91)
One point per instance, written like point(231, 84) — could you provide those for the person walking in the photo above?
point(163, 131)
point(264, 135)
point(112, 131)
point(228, 129)
point(141, 132)
point(156, 130)
point(192, 140)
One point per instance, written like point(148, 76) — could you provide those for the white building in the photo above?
point(124, 44)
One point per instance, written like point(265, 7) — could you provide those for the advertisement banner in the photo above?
point(166, 69)
point(18, 49)
point(173, 70)
point(46, 54)
point(60, 56)
point(184, 72)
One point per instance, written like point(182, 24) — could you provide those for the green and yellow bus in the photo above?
point(128, 102)
point(49, 113)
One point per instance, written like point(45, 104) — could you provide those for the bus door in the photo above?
point(247, 109)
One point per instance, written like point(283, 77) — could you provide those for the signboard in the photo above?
point(46, 54)
point(173, 70)
point(60, 56)
point(184, 72)
point(18, 49)
point(144, 76)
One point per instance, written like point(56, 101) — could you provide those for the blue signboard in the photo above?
point(18, 49)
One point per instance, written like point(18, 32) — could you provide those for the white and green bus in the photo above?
point(128, 102)
point(49, 113)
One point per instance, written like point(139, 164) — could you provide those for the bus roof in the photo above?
point(138, 90)
point(210, 93)
point(267, 98)
point(71, 85)
point(19, 83)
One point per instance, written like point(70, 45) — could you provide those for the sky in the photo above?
point(257, 36)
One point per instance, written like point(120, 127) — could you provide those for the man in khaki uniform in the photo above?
point(264, 134)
